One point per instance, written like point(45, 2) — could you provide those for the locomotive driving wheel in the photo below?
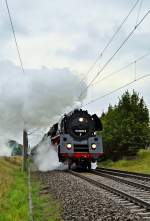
point(69, 165)
point(89, 166)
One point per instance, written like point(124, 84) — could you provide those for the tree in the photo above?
point(16, 148)
point(126, 126)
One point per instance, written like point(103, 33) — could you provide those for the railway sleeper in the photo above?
point(122, 194)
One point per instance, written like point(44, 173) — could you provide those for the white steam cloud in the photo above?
point(46, 157)
point(5, 150)
point(94, 165)
point(35, 99)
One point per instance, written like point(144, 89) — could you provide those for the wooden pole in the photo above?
point(25, 150)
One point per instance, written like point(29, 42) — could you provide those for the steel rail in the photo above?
point(122, 173)
point(132, 183)
point(117, 192)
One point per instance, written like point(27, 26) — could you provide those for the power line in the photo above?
point(110, 59)
point(14, 36)
point(122, 44)
point(139, 11)
point(125, 85)
point(123, 68)
point(110, 40)
point(25, 135)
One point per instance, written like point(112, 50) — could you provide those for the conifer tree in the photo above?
point(126, 126)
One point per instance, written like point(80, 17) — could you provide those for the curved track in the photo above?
point(130, 180)
point(122, 173)
point(128, 192)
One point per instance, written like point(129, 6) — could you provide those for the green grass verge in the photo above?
point(140, 164)
point(45, 207)
point(14, 201)
point(14, 195)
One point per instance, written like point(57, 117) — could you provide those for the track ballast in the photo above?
point(128, 192)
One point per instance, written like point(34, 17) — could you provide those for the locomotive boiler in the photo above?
point(76, 140)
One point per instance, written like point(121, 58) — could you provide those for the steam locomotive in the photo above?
point(76, 140)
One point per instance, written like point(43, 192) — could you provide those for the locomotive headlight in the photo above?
point(69, 145)
point(81, 119)
point(93, 146)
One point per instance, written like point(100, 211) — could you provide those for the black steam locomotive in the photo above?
point(76, 140)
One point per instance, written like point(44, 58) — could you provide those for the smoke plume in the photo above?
point(34, 99)
point(46, 157)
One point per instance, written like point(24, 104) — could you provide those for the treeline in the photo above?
point(126, 127)
point(16, 148)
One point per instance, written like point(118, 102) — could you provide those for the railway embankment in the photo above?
point(14, 195)
point(44, 206)
point(82, 200)
point(13, 190)
point(140, 163)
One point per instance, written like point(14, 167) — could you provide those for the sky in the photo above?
point(70, 35)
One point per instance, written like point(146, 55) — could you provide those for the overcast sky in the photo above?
point(72, 33)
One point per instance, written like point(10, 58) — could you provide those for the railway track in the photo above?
point(140, 176)
point(129, 193)
point(131, 180)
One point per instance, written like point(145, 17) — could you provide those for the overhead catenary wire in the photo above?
point(139, 11)
point(110, 59)
point(14, 36)
point(15, 39)
point(25, 138)
point(110, 40)
point(119, 88)
point(135, 61)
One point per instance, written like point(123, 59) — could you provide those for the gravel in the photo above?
point(144, 182)
point(140, 180)
point(83, 202)
point(131, 190)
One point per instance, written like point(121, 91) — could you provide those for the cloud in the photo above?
point(71, 34)
point(80, 52)
point(75, 25)
point(34, 99)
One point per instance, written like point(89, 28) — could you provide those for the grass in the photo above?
point(140, 164)
point(13, 191)
point(14, 195)
point(45, 208)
